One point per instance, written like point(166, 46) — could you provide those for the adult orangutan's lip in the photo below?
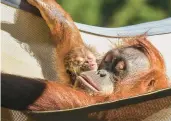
point(87, 81)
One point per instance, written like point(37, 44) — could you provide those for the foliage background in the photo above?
point(116, 13)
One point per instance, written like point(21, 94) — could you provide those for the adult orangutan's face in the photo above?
point(136, 67)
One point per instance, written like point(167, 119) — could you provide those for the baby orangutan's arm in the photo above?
point(65, 35)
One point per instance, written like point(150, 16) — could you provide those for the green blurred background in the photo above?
point(116, 13)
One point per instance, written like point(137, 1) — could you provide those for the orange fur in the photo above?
point(64, 34)
point(58, 96)
point(67, 37)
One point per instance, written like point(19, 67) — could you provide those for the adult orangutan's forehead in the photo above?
point(136, 60)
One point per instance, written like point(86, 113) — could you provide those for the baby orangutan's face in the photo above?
point(78, 61)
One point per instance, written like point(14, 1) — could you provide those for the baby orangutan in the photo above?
point(73, 56)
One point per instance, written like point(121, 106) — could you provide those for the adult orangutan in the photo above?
point(134, 68)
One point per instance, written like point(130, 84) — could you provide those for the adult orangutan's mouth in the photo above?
point(88, 82)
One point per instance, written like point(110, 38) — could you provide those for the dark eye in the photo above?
point(107, 63)
point(119, 67)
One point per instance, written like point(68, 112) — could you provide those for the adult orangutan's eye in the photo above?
point(119, 67)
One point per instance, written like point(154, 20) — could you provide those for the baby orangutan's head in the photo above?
point(79, 60)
